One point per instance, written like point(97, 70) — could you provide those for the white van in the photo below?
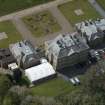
point(72, 81)
point(77, 80)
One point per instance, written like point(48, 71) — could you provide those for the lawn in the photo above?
point(102, 3)
point(53, 88)
point(41, 24)
point(88, 11)
point(12, 34)
point(8, 6)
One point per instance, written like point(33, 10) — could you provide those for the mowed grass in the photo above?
point(69, 8)
point(41, 24)
point(101, 3)
point(12, 33)
point(53, 88)
point(8, 6)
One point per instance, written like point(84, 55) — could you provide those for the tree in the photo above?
point(73, 98)
point(30, 100)
point(5, 84)
point(11, 99)
point(94, 82)
point(36, 100)
point(49, 101)
point(21, 91)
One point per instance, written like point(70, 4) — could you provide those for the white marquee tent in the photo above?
point(40, 72)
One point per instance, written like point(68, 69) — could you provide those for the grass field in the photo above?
point(8, 6)
point(101, 3)
point(69, 8)
point(53, 88)
point(41, 24)
point(12, 33)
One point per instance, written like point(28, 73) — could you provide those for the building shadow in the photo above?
point(72, 71)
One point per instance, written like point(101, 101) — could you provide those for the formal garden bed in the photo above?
point(41, 24)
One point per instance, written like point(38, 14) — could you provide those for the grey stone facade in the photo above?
point(66, 50)
point(92, 31)
point(24, 53)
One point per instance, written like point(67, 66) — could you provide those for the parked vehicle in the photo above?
point(72, 81)
point(77, 80)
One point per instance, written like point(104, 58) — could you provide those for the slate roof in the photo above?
point(100, 24)
point(90, 29)
point(6, 56)
point(66, 45)
point(24, 52)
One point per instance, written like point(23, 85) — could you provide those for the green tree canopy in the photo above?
point(11, 99)
point(5, 84)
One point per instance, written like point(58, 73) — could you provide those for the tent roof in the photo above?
point(39, 72)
